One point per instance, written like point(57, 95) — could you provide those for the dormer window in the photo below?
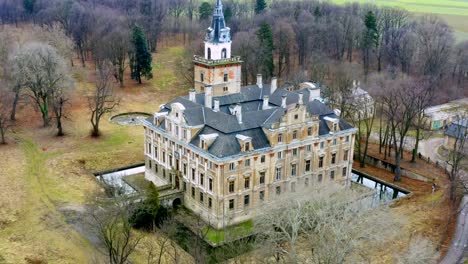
point(280, 138)
point(202, 144)
point(247, 146)
point(309, 131)
point(176, 114)
point(335, 127)
point(296, 116)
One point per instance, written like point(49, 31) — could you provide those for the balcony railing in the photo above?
point(202, 60)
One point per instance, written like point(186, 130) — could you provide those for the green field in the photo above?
point(454, 12)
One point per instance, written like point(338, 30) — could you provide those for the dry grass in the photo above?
point(40, 173)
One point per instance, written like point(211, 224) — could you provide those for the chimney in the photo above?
point(239, 113)
point(283, 101)
point(274, 82)
point(265, 102)
point(259, 81)
point(192, 95)
point(300, 101)
point(208, 90)
point(216, 105)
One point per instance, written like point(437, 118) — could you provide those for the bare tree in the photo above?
point(397, 98)
point(284, 36)
point(59, 100)
point(6, 99)
point(112, 226)
point(42, 71)
point(331, 224)
point(103, 99)
point(457, 154)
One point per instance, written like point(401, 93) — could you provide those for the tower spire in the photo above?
point(218, 32)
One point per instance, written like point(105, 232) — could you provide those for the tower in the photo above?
point(217, 68)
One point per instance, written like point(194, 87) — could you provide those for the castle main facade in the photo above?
point(231, 148)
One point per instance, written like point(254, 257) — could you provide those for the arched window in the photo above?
point(209, 53)
point(223, 53)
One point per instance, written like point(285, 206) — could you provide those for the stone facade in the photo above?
point(229, 150)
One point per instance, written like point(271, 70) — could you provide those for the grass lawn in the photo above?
point(454, 12)
point(41, 174)
point(231, 233)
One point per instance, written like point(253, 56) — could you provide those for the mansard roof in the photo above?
point(254, 118)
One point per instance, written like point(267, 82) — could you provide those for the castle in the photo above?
point(229, 148)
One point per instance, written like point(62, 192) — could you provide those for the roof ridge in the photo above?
point(270, 116)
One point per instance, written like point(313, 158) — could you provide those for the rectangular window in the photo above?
point(164, 157)
point(334, 141)
point(280, 154)
point(261, 195)
point(149, 148)
point(202, 77)
point(193, 192)
point(306, 182)
point(278, 190)
point(210, 202)
point(262, 159)
point(278, 174)
point(335, 127)
point(262, 177)
point(231, 186)
point(280, 138)
point(296, 116)
point(293, 170)
point(294, 152)
point(320, 162)
point(295, 134)
point(322, 145)
point(247, 146)
point(309, 131)
point(247, 163)
point(184, 134)
point(333, 158)
point(210, 165)
point(210, 184)
point(345, 170)
point(201, 197)
point(345, 155)
point(202, 179)
point(293, 187)
point(307, 165)
point(347, 139)
point(332, 175)
point(225, 89)
point(319, 178)
point(231, 204)
point(225, 77)
point(193, 174)
point(155, 152)
point(231, 166)
point(247, 183)
point(185, 169)
point(246, 200)
point(149, 164)
point(308, 148)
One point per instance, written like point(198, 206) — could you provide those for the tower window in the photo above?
point(202, 77)
point(225, 77)
point(223, 52)
point(225, 89)
point(209, 53)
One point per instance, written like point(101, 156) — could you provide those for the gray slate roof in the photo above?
point(457, 129)
point(254, 119)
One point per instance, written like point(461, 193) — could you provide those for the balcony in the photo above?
point(202, 60)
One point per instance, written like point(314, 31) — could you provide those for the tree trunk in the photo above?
point(59, 127)
point(13, 108)
point(45, 116)
point(2, 133)
point(416, 145)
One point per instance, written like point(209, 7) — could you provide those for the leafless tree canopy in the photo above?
point(103, 99)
